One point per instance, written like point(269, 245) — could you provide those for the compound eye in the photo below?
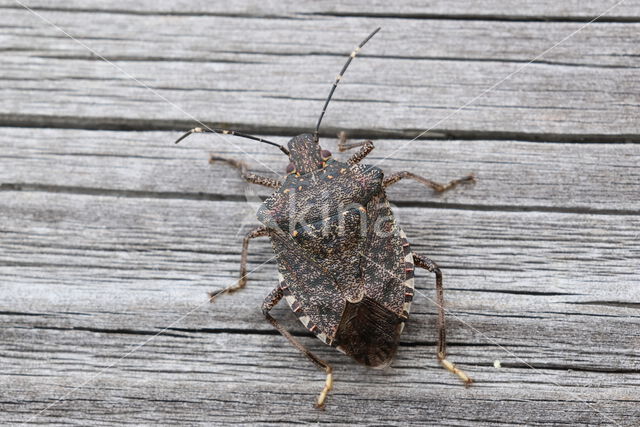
point(290, 168)
point(325, 154)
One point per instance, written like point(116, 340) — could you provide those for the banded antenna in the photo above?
point(335, 84)
point(232, 132)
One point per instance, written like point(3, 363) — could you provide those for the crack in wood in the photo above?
point(516, 292)
point(124, 124)
point(307, 15)
point(568, 367)
point(92, 191)
point(111, 331)
point(622, 304)
point(197, 14)
point(482, 17)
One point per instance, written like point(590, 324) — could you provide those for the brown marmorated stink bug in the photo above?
point(345, 266)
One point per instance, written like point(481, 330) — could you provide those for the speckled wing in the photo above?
point(319, 261)
point(308, 289)
point(370, 329)
point(387, 264)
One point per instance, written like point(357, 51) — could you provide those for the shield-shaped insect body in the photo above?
point(345, 267)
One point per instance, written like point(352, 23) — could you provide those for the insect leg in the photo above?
point(365, 148)
point(248, 176)
point(343, 145)
point(270, 301)
point(427, 264)
point(242, 281)
point(397, 176)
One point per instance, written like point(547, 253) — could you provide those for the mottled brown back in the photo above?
point(369, 333)
point(342, 279)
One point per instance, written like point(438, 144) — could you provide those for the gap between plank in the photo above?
point(139, 125)
point(380, 15)
point(94, 191)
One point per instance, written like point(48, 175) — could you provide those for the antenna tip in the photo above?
point(182, 137)
point(194, 130)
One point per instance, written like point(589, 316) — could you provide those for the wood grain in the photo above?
point(511, 175)
point(483, 9)
point(111, 236)
point(106, 274)
point(411, 78)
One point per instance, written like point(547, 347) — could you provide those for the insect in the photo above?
point(345, 267)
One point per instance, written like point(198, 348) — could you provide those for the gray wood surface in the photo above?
point(111, 236)
point(402, 84)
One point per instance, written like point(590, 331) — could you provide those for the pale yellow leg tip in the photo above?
point(460, 373)
point(328, 385)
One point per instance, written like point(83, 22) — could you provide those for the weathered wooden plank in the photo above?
point(511, 175)
point(89, 248)
point(487, 9)
point(219, 38)
point(401, 87)
point(71, 237)
point(85, 221)
point(203, 387)
point(170, 384)
point(117, 236)
point(558, 291)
